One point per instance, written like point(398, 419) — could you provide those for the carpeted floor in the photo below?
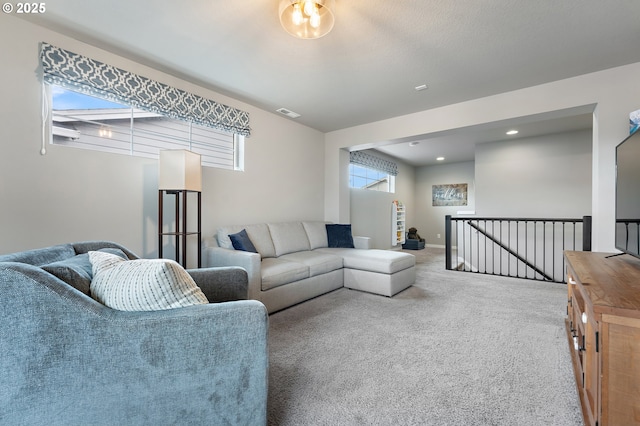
point(454, 349)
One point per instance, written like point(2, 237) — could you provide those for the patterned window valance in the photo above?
point(365, 159)
point(85, 75)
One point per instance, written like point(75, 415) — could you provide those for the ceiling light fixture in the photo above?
point(440, 159)
point(288, 113)
point(421, 87)
point(512, 132)
point(414, 143)
point(307, 19)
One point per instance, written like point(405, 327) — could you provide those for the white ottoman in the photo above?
point(381, 272)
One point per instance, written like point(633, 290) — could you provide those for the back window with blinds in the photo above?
point(88, 122)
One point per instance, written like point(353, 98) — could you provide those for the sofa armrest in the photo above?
point(362, 242)
point(222, 284)
point(250, 262)
point(89, 364)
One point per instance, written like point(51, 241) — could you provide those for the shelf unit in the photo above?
point(603, 328)
point(181, 230)
point(398, 220)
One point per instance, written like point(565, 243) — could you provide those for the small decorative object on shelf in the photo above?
point(397, 223)
point(180, 173)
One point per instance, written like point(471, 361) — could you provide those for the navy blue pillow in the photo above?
point(339, 235)
point(242, 242)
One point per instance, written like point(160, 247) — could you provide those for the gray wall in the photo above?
point(547, 176)
point(430, 219)
point(371, 210)
point(72, 194)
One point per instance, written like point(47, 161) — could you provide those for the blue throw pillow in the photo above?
point(339, 235)
point(76, 271)
point(242, 242)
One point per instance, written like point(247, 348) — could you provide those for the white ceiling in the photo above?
point(459, 145)
point(365, 69)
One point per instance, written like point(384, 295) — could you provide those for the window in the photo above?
point(83, 121)
point(98, 106)
point(368, 171)
point(366, 178)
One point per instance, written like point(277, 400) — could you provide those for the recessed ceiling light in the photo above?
point(440, 159)
point(512, 132)
point(421, 87)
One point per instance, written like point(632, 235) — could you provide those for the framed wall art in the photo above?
point(451, 194)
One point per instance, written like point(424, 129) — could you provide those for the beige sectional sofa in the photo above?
point(294, 262)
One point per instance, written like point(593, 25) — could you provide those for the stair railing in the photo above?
point(529, 248)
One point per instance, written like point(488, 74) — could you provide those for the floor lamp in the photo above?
point(180, 173)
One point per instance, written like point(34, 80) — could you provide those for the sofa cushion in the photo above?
point(241, 241)
point(318, 263)
point(259, 235)
point(276, 272)
point(382, 261)
point(142, 284)
point(317, 234)
point(289, 237)
point(339, 235)
point(76, 271)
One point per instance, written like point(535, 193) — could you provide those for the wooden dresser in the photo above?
point(603, 327)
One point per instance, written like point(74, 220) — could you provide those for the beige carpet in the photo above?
point(454, 349)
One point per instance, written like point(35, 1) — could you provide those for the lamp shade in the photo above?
point(307, 19)
point(180, 169)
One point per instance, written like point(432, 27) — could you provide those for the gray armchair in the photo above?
point(66, 359)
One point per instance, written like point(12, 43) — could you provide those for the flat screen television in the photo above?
point(628, 195)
